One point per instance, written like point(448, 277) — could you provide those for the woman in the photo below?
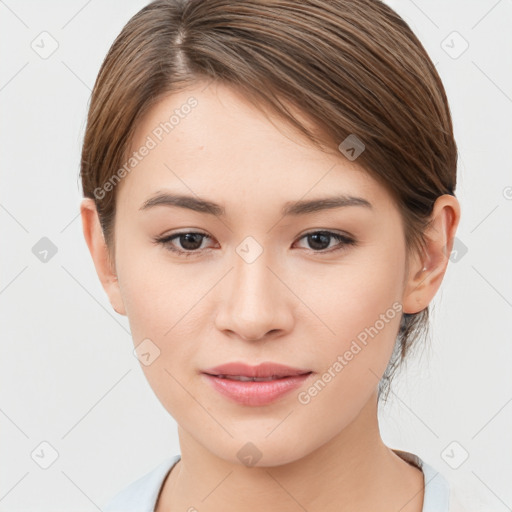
point(269, 198)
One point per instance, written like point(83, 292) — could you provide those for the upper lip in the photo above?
point(266, 369)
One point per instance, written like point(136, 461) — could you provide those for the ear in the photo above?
point(95, 240)
point(426, 272)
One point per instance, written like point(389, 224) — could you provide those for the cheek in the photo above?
point(157, 311)
point(144, 302)
point(353, 297)
point(161, 306)
point(361, 306)
point(365, 319)
point(151, 294)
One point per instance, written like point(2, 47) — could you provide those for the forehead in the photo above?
point(212, 142)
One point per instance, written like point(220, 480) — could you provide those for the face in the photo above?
point(315, 289)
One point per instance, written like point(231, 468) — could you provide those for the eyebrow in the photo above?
point(301, 207)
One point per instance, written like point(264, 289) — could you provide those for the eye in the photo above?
point(320, 240)
point(191, 241)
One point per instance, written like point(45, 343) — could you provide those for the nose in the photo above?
point(254, 303)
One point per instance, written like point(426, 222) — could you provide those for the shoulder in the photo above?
point(141, 494)
point(437, 492)
point(442, 495)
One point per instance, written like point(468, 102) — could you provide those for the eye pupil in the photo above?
point(322, 238)
point(193, 238)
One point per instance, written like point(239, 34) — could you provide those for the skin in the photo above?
point(292, 305)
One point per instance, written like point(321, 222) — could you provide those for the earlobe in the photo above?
point(95, 240)
point(426, 272)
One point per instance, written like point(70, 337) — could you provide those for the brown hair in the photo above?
point(351, 67)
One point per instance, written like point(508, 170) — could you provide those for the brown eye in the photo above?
point(189, 243)
point(319, 241)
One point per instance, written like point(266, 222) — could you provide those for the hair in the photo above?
point(350, 67)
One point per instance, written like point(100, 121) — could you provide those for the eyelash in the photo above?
point(344, 240)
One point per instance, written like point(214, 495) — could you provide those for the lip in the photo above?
point(256, 393)
point(266, 369)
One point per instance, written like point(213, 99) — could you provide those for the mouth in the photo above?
point(255, 385)
point(244, 378)
point(262, 372)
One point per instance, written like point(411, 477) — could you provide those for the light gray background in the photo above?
point(68, 374)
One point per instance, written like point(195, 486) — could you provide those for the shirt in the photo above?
point(141, 495)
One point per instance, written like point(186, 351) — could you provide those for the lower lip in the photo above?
point(256, 393)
